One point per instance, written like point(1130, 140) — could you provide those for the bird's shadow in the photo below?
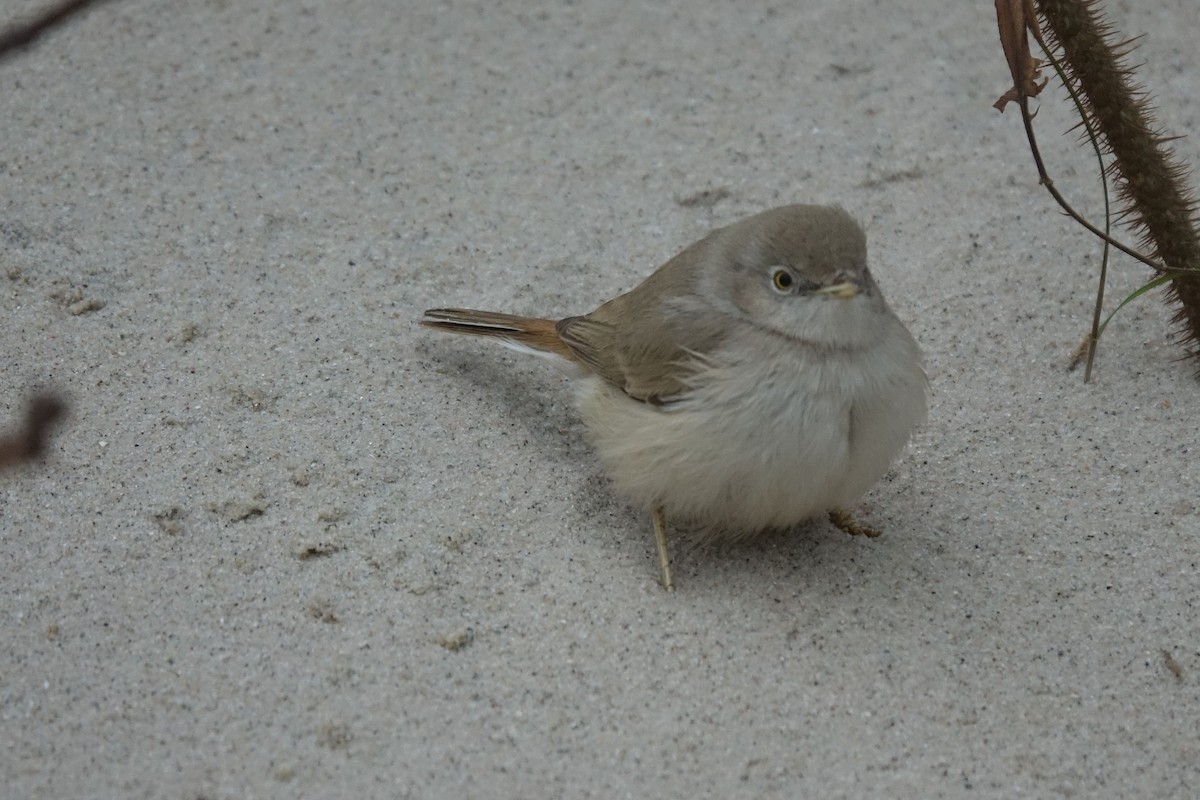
point(537, 396)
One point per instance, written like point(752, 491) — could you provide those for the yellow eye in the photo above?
point(782, 280)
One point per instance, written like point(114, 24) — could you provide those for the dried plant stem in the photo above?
point(1094, 336)
point(23, 35)
point(1151, 182)
point(28, 443)
point(1093, 339)
point(1045, 179)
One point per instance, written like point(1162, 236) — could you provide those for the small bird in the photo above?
point(755, 380)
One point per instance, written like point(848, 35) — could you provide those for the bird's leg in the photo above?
point(660, 538)
point(844, 520)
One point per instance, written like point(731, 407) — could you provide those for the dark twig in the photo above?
point(22, 35)
point(1045, 179)
point(28, 443)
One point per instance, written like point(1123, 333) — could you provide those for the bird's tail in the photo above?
point(526, 334)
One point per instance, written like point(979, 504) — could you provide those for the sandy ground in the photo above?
point(290, 544)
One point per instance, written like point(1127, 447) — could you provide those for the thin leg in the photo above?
point(660, 538)
point(844, 520)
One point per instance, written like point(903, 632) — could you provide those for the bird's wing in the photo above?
point(650, 354)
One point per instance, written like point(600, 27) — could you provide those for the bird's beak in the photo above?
point(842, 291)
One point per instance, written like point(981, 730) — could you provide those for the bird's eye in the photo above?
point(783, 281)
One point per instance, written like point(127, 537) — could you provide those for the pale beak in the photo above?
point(842, 291)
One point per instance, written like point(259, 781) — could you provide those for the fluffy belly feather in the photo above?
point(754, 447)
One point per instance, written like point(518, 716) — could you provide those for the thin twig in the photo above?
point(22, 35)
point(28, 443)
point(1045, 180)
point(1094, 337)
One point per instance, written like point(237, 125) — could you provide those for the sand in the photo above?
point(290, 544)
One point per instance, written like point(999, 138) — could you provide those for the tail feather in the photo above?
point(521, 333)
